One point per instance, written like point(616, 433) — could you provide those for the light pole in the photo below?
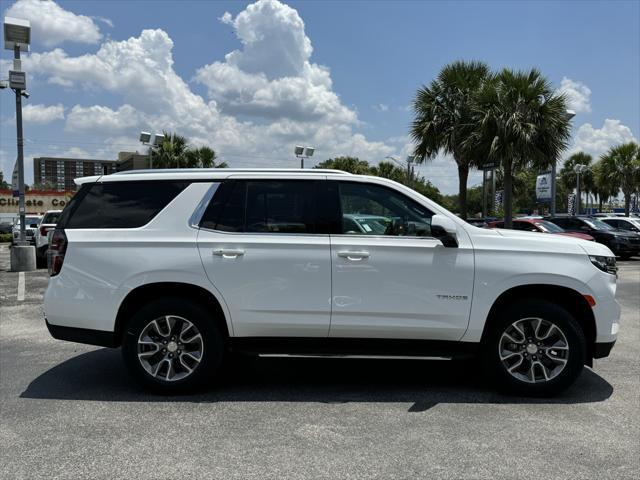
point(17, 37)
point(569, 115)
point(410, 166)
point(302, 153)
point(145, 138)
point(579, 169)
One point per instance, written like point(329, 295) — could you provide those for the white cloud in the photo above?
point(578, 95)
point(279, 111)
point(597, 141)
point(271, 76)
point(102, 120)
point(52, 25)
point(381, 107)
point(42, 114)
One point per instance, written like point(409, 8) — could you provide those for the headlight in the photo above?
point(606, 264)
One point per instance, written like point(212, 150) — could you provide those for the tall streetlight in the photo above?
point(579, 169)
point(410, 161)
point(569, 115)
point(17, 37)
point(145, 138)
point(302, 153)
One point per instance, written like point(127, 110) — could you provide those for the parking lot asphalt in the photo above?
point(71, 411)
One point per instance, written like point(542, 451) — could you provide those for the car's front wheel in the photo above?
point(172, 346)
point(534, 348)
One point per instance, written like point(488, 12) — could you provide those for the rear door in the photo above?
point(265, 251)
point(395, 280)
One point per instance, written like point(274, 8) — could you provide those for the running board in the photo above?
point(374, 348)
point(365, 357)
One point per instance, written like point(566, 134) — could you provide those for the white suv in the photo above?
point(182, 267)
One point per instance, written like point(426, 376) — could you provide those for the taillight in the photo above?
point(44, 230)
point(57, 249)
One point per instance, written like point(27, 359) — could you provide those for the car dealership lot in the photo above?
point(70, 411)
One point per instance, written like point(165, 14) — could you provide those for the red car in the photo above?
point(539, 225)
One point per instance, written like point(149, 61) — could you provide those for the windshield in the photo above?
point(373, 225)
point(28, 220)
point(548, 227)
point(597, 224)
point(51, 217)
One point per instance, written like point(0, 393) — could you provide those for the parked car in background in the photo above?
point(540, 225)
point(622, 244)
point(6, 227)
point(181, 267)
point(31, 225)
point(48, 223)
point(629, 224)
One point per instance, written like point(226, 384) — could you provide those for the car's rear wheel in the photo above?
point(172, 346)
point(534, 348)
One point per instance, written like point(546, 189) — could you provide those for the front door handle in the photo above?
point(229, 252)
point(354, 256)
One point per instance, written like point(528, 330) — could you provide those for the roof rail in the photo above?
point(233, 170)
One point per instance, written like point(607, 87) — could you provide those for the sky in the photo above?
point(252, 80)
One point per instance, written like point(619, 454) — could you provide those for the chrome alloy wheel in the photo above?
point(533, 350)
point(170, 348)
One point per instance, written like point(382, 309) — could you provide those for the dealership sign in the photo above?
point(35, 201)
point(543, 188)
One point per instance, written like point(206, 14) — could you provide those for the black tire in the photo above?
point(212, 341)
point(549, 312)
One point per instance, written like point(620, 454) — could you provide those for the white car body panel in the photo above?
point(282, 285)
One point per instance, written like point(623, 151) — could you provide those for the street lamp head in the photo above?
point(298, 150)
point(158, 139)
point(308, 151)
point(145, 137)
point(17, 33)
point(570, 114)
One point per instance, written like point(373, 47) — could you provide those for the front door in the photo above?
point(261, 249)
point(391, 278)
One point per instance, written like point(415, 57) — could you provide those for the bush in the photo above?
point(5, 237)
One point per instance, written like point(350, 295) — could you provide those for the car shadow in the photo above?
point(100, 375)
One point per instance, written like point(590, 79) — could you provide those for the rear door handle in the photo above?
point(354, 256)
point(229, 252)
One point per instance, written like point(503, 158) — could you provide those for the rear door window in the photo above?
point(264, 206)
point(119, 204)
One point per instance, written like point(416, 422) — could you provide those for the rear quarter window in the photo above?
point(119, 204)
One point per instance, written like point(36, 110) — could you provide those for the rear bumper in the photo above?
point(601, 350)
point(83, 335)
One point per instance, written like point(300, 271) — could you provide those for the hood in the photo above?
point(532, 241)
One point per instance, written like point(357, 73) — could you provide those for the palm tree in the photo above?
point(443, 117)
point(568, 175)
point(171, 153)
point(203, 157)
point(621, 166)
point(521, 122)
point(603, 186)
point(347, 164)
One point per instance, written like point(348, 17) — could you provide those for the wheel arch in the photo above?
point(144, 293)
point(566, 297)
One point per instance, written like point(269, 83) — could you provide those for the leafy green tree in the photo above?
point(521, 122)
point(346, 164)
point(3, 185)
point(390, 171)
point(443, 117)
point(621, 167)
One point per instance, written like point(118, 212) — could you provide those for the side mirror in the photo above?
point(445, 230)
